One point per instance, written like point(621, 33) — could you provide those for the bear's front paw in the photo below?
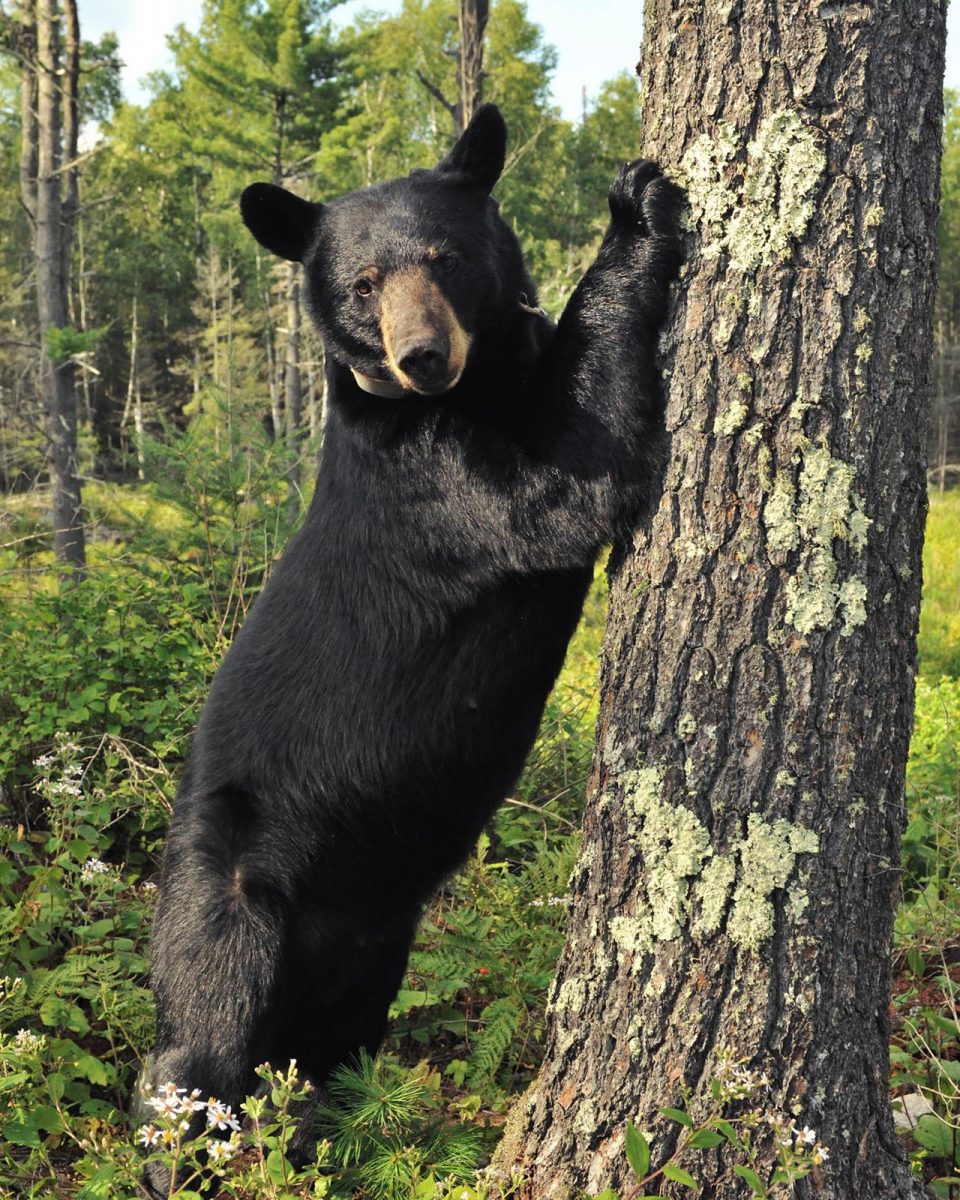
point(642, 196)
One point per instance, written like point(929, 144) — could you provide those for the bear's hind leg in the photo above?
point(217, 952)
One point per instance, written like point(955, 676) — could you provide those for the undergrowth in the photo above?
point(104, 683)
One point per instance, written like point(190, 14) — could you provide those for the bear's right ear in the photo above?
point(280, 221)
point(478, 155)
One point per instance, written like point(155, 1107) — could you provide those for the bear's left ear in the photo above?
point(280, 221)
point(477, 157)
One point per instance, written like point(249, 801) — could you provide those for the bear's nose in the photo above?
point(424, 361)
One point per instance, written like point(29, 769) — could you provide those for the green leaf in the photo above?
point(935, 1135)
point(705, 1139)
point(100, 1185)
point(93, 1069)
point(275, 1166)
point(915, 962)
point(19, 1133)
point(727, 1130)
point(678, 1115)
point(638, 1151)
point(678, 1175)
point(752, 1178)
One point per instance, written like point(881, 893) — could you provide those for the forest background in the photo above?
point(200, 416)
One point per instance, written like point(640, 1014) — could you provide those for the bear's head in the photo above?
point(402, 278)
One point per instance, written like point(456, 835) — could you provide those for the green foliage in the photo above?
point(940, 610)
point(749, 1140)
point(64, 343)
point(385, 1126)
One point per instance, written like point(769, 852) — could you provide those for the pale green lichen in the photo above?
point(732, 418)
point(702, 171)
point(571, 997)
point(873, 217)
point(683, 874)
point(767, 857)
point(826, 509)
point(755, 220)
point(675, 845)
point(744, 381)
point(712, 890)
point(784, 780)
point(780, 519)
point(853, 603)
point(687, 726)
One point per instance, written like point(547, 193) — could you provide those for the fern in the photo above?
point(500, 1019)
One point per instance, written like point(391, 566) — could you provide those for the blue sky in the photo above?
point(594, 40)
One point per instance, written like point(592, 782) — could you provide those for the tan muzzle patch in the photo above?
point(425, 343)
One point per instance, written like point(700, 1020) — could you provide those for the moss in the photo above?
point(767, 857)
point(755, 221)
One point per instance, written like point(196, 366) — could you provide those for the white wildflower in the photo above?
point(63, 788)
point(221, 1152)
point(148, 1134)
point(91, 869)
point(8, 986)
point(220, 1116)
point(25, 1042)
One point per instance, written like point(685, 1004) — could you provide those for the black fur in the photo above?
point(382, 696)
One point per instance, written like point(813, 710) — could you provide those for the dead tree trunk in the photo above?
point(293, 385)
point(56, 370)
point(474, 15)
point(738, 878)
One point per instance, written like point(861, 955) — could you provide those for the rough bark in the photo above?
point(292, 384)
point(737, 883)
point(473, 24)
point(57, 377)
point(27, 50)
point(472, 18)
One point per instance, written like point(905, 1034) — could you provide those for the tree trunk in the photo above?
point(292, 389)
point(56, 371)
point(738, 877)
point(473, 24)
point(29, 149)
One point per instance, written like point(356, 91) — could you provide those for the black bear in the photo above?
point(380, 700)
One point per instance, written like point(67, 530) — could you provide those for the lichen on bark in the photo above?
point(755, 211)
point(684, 875)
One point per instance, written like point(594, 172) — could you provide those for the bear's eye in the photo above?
point(448, 262)
point(363, 287)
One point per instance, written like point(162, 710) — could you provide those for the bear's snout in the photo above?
point(426, 346)
point(426, 362)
